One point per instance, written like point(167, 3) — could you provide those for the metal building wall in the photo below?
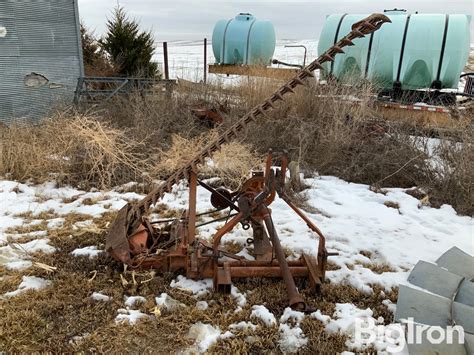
point(40, 56)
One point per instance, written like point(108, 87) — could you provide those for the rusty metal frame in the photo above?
point(200, 259)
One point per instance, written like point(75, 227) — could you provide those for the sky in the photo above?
point(195, 19)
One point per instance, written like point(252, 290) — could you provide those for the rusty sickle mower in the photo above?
point(172, 245)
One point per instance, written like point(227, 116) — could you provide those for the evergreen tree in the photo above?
point(90, 47)
point(129, 49)
point(95, 60)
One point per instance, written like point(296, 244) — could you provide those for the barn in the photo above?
point(40, 56)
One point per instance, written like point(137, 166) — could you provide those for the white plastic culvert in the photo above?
point(3, 31)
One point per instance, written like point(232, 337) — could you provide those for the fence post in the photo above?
point(165, 55)
point(205, 60)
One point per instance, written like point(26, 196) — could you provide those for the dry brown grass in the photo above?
point(331, 136)
point(232, 164)
point(452, 181)
point(72, 149)
point(322, 126)
point(180, 152)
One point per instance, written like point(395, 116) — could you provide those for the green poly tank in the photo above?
point(415, 51)
point(243, 40)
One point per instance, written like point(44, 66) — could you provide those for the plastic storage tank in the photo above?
point(243, 40)
point(414, 51)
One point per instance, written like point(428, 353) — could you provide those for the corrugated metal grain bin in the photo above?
point(40, 56)
point(243, 40)
point(414, 51)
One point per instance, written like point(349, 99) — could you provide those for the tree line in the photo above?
point(124, 50)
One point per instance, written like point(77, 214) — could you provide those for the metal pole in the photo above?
point(296, 301)
point(205, 60)
point(301, 46)
point(165, 55)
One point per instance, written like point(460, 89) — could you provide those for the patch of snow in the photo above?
point(238, 297)
point(321, 317)
point(245, 253)
point(97, 296)
point(78, 339)
point(29, 283)
point(18, 265)
point(344, 320)
point(129, 316)
point(392, 307)
point(16, 255)
point(361, 277)
point(18, 198)
point(288, 314)
point(226, 335)
point(259, 311)
point(34, 246)
point(202, 305)
point(134, 300)
point(55, 223)
point(204, 336)
point(168, 302)
point(354, 219)
point(197, 288)
point(90, 251)
point(31, 235)
point(243, 326)
point(291, 338)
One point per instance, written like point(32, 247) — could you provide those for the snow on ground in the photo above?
point(261, 312)
point(202, 305)
point(22, 204)
point(20, 199)
point(134, 300)
point(243, 326)
point(204, 336)
point(97, 296)
point(168, 302)
point(29, 283)
point(291, 338)
point(129, 316)
point(355, 220)
point(344, 321)
point(15, 255)
point(197, 288)
point(90, 251)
